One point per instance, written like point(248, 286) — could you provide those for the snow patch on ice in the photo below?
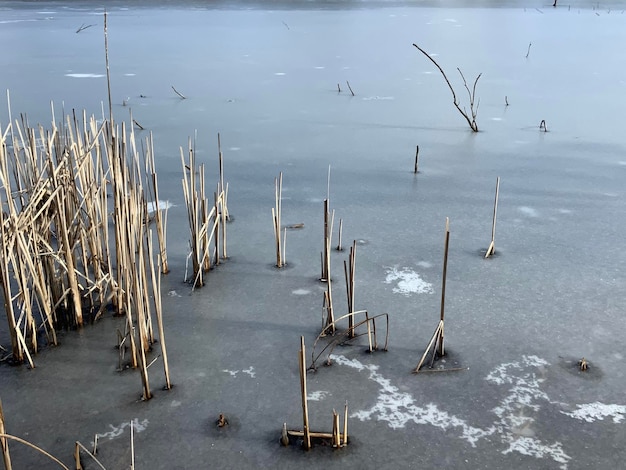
point(408, 281)
point(301, 291)
point(516, 412)
point(370, 98)
point(84, 75)
point(597, 411)
point(318, 395)
point(280, 74)
point(162, 205)
point(424, 264)
point(173, 293)
point(233, 373)
point(528, 211)
point(116, 431)
point(16, 21)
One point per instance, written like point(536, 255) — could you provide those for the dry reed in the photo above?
point(207, 223)
point(59, 263)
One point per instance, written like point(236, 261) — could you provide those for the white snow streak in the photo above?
point(399, 408)
point(117, 431)
point(515, 413)
point(591, 412)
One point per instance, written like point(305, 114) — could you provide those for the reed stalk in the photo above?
point(277, 219)
point(305, 407)
point(4, 445)
point(491, 250)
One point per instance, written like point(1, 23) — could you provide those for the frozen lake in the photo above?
point(265, 76)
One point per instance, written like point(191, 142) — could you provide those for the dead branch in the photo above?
point(472, 94)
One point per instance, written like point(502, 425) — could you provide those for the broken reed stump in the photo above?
point(222, 188)
point(436, 343)
point(492, 246)
point(417, 159)
point(328, 230)
point(132, 446)
point(305, 406)
point(340, 234)
point(328, 317)
point(77, 448)
point(528, 51)
point(337, 438)
point(543, 126)
point(349, 272)
point(276, 218)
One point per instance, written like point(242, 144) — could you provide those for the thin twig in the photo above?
point(178, 93)
point(349, 87)
point(84, 27)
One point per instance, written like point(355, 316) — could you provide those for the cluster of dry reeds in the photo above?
point(207, 221)
point(68, 249)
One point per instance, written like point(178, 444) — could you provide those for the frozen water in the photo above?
point(556, 287)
